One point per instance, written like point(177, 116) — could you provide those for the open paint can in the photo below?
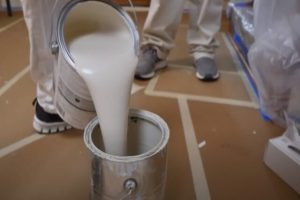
point(141, 174)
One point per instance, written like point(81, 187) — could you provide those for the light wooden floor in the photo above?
point(217, 135)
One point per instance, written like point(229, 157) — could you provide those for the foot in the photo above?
point(206, 69)
point(149, 63)
point(47, 123)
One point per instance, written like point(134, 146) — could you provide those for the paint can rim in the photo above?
point(141, 114)
point(68, 7)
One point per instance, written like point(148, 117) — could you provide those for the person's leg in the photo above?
point(205, 22)
point(158, 35)
point(37, 16)
point(37, 19)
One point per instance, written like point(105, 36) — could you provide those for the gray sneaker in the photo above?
point(149, 63)
point(206, 69)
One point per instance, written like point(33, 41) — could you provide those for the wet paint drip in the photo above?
point(104, 57)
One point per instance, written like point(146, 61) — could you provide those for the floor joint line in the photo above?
point(14, 80)
point(196, 164)
point(11, 25)
point(19, 144)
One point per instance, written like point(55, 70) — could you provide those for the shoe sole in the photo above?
point(205, 78)
point(158, 66)
point(46, 128)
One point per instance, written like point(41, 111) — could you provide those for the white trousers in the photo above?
point(164, 18)
point(38, 17)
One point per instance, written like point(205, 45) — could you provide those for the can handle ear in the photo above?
point(53, 45)
point(55, 14)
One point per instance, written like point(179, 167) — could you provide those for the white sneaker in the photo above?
point(47, 123)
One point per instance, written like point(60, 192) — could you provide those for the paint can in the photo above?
point(141, 174)
point(72, 98)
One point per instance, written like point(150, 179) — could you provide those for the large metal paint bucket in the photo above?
point(72, 98)
point(140, 175)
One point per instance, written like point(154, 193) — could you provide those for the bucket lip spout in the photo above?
point(142, 114)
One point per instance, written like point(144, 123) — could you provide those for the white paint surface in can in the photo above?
point(102, 48)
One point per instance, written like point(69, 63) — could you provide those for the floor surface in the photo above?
point(217, 137)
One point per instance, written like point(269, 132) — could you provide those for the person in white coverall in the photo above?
point(38, 17)
point(159, 32)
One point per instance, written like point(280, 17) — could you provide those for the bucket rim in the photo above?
point(64, 13)
point(142, 114)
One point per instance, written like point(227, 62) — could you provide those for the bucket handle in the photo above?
point(134, 12)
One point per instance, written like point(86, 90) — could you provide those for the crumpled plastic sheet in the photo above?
point(274, 59)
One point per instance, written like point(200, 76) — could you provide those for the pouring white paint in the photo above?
point(104, 56)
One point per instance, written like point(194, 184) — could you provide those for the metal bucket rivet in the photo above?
point(130, 185)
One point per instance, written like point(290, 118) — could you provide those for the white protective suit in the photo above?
point(38, 16)
point(164, 18)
